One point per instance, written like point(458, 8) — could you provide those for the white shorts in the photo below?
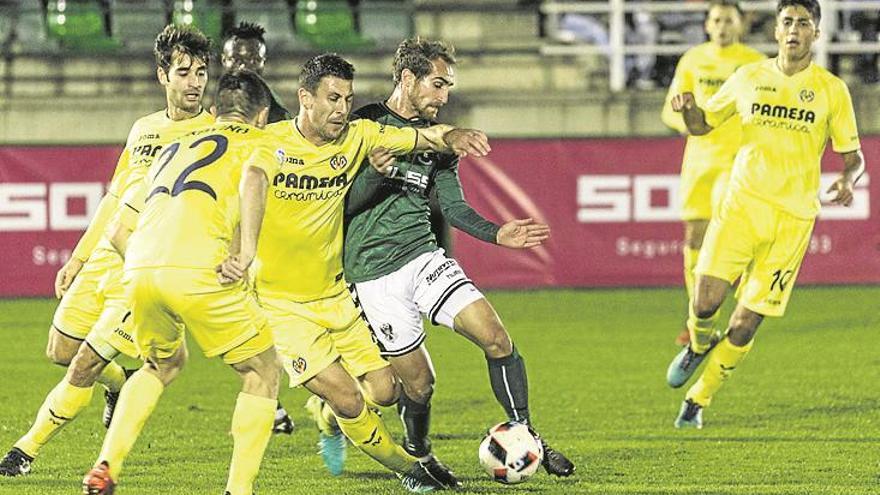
point(431, 285)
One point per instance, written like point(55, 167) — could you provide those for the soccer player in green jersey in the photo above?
point(397, 271)
point(789, 108)
point(245, 49)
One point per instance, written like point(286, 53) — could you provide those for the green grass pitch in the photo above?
point(800, 416)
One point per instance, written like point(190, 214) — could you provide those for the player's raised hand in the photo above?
point(231, 270)
point(844, 188)
point(464, 142)
point(66, 274)
point(382, 160)
point(684, 101)
point(522, 234)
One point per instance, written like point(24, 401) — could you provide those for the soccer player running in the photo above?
point(788, 108)
point(245, 48)
point(182, 268)
point(324, 343)
point(708, 159)
point(87, 328)
point(397, 271)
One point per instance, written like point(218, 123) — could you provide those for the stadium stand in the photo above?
point(561, 87)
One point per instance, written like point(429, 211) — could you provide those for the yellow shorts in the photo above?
point(702, 191)
point(224, 320)
point(95, 305)
point(759, 243)
point(310, 336)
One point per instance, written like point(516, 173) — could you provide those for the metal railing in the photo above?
point(617, 49)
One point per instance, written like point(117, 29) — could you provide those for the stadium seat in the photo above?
point(328, 25)
point(203, 14)
point(274, 15)
point(31, 34)
point(79, 25)
point(135, 23)
point(8, 16)
point(386, 22)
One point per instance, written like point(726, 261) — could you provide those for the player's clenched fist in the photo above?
point(684, 101)
point(464, 142)
point(232, 270)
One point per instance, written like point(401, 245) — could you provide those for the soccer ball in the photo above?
point(511, 453)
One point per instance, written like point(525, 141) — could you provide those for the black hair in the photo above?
point(726, 3)
point(248, 31)
point(812, 7)
point(186, 40)
point(321, 66)
point(416, 55)
point(243, 92)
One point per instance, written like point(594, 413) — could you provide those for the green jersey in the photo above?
point(387, 222)
point(277, 112)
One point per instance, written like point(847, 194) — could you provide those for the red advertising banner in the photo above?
point(612, 208)
point(47, 196)
point(610, 202)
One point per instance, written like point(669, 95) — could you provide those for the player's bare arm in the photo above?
point(854, 167)
point(522, 234)
point(694, 118)
point(253, 204)
point(448, 139)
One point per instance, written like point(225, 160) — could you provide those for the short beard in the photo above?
point(413, 100)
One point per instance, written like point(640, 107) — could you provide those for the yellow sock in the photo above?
point(113, 377)
point(62, 404)
point(369, 434)
point(690, 262)
point(330, 424)
point(701, 330)
point(137, 400)
point(723, 360)
point(251, 429)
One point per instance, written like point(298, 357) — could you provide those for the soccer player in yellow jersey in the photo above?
point(707, 159)
point(789, 108)
point(93, 303)
point(245, 48)
point(325, 344)
point(182, 267)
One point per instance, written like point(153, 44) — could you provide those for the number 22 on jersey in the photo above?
point(180, 170)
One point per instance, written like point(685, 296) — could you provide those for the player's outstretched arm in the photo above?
point(254, 186)
point(448, 139)
point(523, 234)
point(694, 117)
point(854, 167)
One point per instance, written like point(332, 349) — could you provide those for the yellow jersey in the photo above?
point(701, 71)
point(192, 203)
point(786, 122)
point(145, 141)
point(299, 256)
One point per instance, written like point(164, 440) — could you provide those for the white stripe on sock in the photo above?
point(509, 395)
